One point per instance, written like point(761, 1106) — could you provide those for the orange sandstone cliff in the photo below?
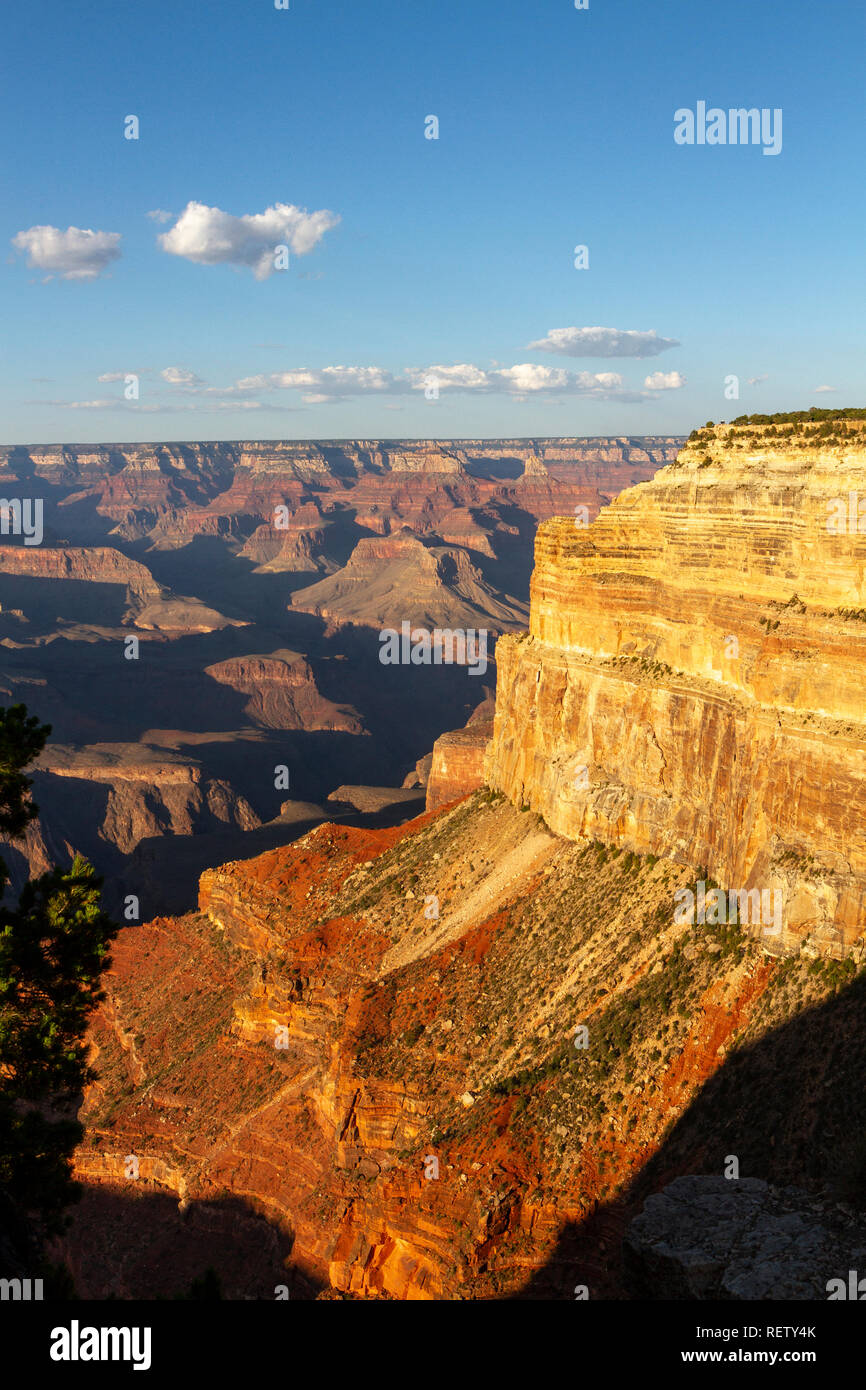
point(692, 681)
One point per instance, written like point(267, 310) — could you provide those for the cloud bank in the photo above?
point(524, 380)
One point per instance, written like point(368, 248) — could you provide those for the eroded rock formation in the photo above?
point(457, 760)
point(281, 693)
point(398, 578)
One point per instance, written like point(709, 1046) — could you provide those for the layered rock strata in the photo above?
point(457, 761)
point(692, 679)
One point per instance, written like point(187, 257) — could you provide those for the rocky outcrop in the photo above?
point(145, 603)
point(372, 1039)
point(534, 466)
point(298, 547)
point(281, 693)
point(375, 799)
point(457, 761)
point(107, 798)
point(425, 456)
point(691, 683)
point(708, 1238)
point(93, 564)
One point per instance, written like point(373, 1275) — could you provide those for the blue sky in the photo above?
point(555, 129)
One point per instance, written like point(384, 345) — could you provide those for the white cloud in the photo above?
point(463, 376)
point(325, 383)
point(524, 379)
point(179, 376)
point(112, 376)
point(603, 342)
point(664, 381)
point(527, 377)
point(128, 407)
point(158, 215)
point(76, 254)
point(819, 389)
point(209, 236)
point(756, 380)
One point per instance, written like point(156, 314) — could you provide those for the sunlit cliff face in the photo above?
point(693, 679)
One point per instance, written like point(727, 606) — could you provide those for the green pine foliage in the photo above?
point(53, 949)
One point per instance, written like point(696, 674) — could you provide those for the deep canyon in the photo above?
point(445, 1036)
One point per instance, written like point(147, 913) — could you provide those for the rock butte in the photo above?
point(438, 586)
point(691, 685)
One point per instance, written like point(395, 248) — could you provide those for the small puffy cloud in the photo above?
point(112, 376)
point(76, 254)
point(209, 236)
point(250, 383)
point(463, 376)
point(158, 215)
point(664, 381)
point(527, 377)
point(756, 380)
point(179, 376)
point(821, 389)
point(86, 405)
point(603, 342)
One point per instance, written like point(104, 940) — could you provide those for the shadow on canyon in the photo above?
point(164, 871)
point(142, 1245)
point(791, 1107)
